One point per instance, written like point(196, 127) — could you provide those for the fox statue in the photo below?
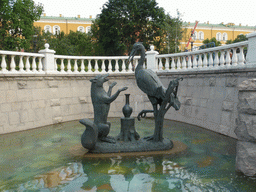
point(101, 100)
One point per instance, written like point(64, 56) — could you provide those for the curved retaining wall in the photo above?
point(209, 99)
point(34, 101)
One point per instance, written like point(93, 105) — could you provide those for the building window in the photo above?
point(81, 29)
point(201, 35)
point(194, 37)
point(225, 36)
point(218, 36)
point(47, 28)
point(88, 29)
point(56, 30)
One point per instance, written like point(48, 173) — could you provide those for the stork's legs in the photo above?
point(157, 132)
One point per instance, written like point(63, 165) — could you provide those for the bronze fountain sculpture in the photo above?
point(95, 138)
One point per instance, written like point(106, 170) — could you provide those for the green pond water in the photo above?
point(42, 160)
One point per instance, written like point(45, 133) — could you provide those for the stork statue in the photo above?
point(160, 97)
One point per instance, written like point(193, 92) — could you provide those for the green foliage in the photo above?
point(173, 30)
point(122, 23)
point(217, 43)
point(74, 43)
point(16, 23)
point(239, 38)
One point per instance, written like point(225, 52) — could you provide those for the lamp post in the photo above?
point(35, 40)
point(192, 43)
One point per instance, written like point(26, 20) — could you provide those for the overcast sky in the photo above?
point(214, 11)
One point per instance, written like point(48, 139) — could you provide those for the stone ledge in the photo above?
point(78, 150)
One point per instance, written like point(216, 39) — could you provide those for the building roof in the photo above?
point(66, 18)
point(221, 25)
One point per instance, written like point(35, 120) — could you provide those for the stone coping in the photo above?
point(203, 71)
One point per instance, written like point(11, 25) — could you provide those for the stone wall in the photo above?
point(245, 128)
point(209, 99)
point(35, 101)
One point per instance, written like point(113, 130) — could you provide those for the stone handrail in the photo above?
point(21, 62)
point(93, 64)
point(224, 57)
point(217, 58)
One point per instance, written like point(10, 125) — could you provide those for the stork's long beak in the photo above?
point(131, 56)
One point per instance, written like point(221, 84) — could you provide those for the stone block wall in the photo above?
point(208, 99)
point(35, 101)
point(246, 128)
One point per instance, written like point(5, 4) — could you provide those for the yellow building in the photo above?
point(222, 32)
point(57, 24)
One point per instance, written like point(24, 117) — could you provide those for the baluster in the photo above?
point(21, 64)
point(144, 64)
point(134, 63)
point(3, 64)
point(241, 56)
point(82, 66)
point(173, 64)
point(194, 62)
point(110, 70)
point(222, 58)
point(12, 65)
point(130, 67)
point(55, 65)
point(103, 66)
point(216, 59)
point(34, 64)
point(167, 63)
point(205, 61)
point(116, 66)
point(96, 67)
point(210, 60)
point(189, 62)
point(200, 62)
point(178, 64)
point(123, 66)
point(89, 66)
point(228, 60)
point(160, 64)
point(184, 63)
point(62, 67)
point(27, 64)
point(40, 65)
point(75, 66)
point(69, 66)
point(234, 57)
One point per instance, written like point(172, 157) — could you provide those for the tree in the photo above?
point(173, 30)
point(239, 38)
point(74, 43)
point(214, 40)
point(122, 23)
point(16, 23)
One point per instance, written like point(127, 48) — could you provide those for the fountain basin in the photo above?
point(47, 159)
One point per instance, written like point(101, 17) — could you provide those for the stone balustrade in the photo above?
point(93, 64)
point(234, 56)
point(21, 62)
point(217, 58)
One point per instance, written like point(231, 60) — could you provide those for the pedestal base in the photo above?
point(128, 132)
point(141, 145)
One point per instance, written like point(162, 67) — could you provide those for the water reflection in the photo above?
point(38, 160)
point(141, 173)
